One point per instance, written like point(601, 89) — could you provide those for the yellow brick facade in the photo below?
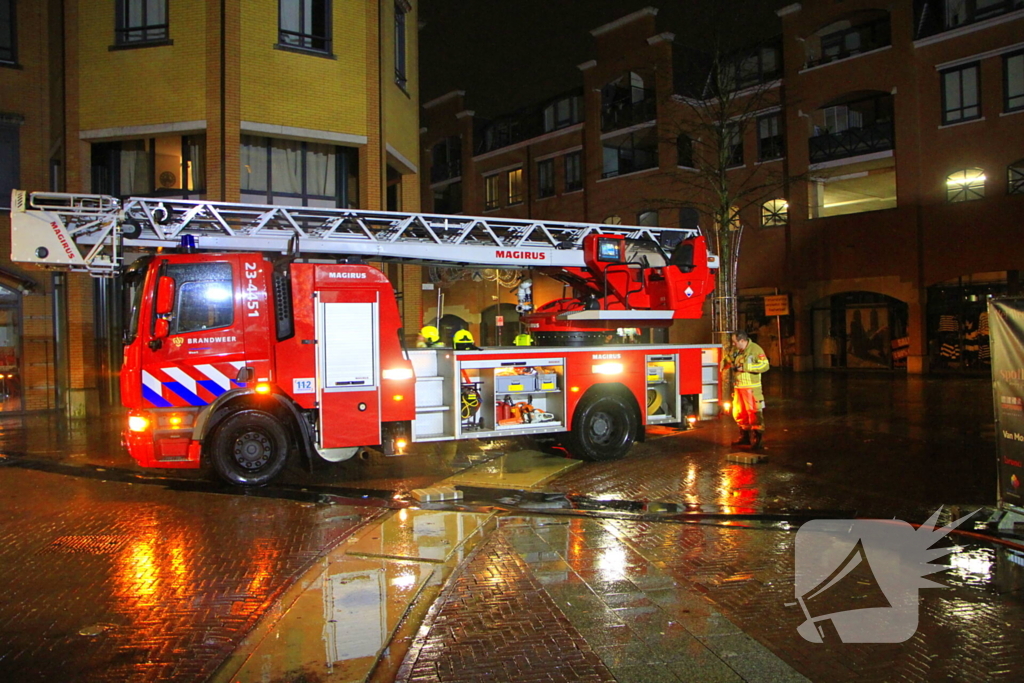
point(220, 71)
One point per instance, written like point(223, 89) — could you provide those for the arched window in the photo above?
point(1015, 178)
point(965, 185)
point(613, 220)
point(774, 212)
point(648, 217)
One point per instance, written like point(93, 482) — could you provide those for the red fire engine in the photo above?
point(258, 331)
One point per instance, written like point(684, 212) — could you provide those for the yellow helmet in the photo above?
point(463, 336)
point(430, 333)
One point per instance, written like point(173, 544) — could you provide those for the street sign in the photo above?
point(499, 321)
point(777, 304)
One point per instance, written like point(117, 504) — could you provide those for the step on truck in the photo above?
point(257, 332)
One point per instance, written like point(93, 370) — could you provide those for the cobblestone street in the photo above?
point(672, 564)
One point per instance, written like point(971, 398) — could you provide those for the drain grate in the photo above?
point(96, 545)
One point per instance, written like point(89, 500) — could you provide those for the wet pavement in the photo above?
point(671, 564)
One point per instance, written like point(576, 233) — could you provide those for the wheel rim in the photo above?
point(603, 428)
point(253, 450)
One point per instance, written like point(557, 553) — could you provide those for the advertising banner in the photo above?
point(1006, 324)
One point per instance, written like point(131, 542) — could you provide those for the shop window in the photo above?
point(774, 212)
point(141, 21)
point(298, 173)
point(305, 25)
point(573, 176)
point(1015, 178)
point(491, 192)
point(10, 350)
point(1013, 82)
point(8, 35)
point(961, 94)
point(171, 165)
point(965, 185)
point(545, 178)
point(515, 186)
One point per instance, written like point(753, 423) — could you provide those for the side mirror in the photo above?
point(164, 295)
point(161, 329)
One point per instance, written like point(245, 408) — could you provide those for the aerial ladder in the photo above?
point(242, 349)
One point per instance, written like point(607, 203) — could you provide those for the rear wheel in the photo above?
point(250, 448)
point(604, 427)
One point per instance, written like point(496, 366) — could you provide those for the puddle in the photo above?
point(523, 470)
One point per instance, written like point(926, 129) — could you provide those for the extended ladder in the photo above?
point(91, 233)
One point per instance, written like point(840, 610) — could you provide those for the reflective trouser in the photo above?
point(747, 405)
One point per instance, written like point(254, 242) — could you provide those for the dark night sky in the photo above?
point(507, 55)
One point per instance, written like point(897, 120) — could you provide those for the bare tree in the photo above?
point(709, 122)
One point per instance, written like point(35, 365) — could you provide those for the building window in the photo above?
point(172, 165)
point(305, 24)
point(733, 146)
point(563, 113)
point(1013, 83)
point(10, 164)
point(546, 178)
point(769, 138)
point(8, 45)
point(684, 150)
point(774, 212)
point(630, 153)
point(961, 90)
point(965, 185)
point(294, 172)
point(647, 218)
point(401, 8)
point(1015, 178)
point(141, 21)
point(515, 186)
point(573, 177)
point(491, 192)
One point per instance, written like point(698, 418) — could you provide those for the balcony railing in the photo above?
point(444, 171)
point(625, 113)
point(853, 41)
point(852, 142)
point(939, 16)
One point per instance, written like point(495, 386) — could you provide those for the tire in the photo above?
point(604, 427)
point(249, 448)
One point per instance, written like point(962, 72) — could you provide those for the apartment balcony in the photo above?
point(445, 171)
point(852, 142)
point(938, 16)
point(625, 113)
point(853, 41)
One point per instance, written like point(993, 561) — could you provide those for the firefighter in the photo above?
point(748, 362)
point(429, 338)
point(463, 341)
point(523, 339)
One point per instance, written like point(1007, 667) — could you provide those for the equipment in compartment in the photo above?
point(523, 412)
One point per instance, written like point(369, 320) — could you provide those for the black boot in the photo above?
point(755, 444)
point(744, 439)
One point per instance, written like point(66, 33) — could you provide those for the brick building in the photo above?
point(894, 132)
point(311, 102)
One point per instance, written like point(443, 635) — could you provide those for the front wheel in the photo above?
point(604, 427)
point(250, 448)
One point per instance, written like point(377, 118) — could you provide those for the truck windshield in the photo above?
point(134, 278)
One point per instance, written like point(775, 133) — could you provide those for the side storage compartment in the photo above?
point(502, 396)
point(663, 403)
point(435, 418)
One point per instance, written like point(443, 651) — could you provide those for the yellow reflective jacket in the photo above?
point(750, 364)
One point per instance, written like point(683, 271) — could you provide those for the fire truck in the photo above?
point(255, 332)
